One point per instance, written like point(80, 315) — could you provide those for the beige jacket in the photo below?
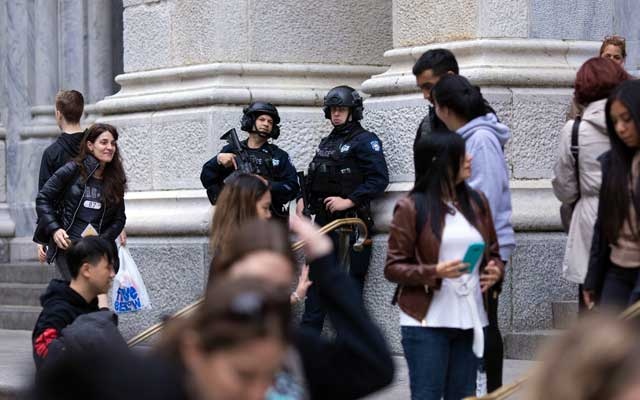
point(593, 140)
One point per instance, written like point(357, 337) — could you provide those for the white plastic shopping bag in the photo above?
point(128, 292)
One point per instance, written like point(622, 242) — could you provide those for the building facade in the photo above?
point(173, 75)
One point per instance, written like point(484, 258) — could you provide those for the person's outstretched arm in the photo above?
point(358, 362)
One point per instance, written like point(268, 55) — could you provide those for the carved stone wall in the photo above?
point(189, 66)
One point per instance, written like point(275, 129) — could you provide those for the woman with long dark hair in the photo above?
point(578, 189)
point(442, 313)
point(85, 197)
point(612, 279)
point(463, 109)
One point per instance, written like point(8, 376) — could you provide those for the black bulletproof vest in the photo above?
point(334, 170)
point(261, 160)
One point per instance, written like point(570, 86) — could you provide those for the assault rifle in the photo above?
point(302, 180)
point(242, 158)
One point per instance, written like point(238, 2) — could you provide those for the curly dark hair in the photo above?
point(114, 178)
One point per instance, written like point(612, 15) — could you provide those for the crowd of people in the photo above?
point(450, 240)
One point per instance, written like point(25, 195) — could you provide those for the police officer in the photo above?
point(261, 121)
point(346, 173)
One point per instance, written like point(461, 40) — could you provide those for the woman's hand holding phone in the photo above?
point(490, 276)
point(451, 269)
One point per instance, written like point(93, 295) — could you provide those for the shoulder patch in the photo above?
point(375, 145)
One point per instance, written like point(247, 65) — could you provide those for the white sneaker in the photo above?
point(481, 383)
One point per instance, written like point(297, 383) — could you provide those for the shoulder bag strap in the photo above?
point(575, 149)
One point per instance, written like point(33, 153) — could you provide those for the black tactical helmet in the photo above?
point(254, 110)
point(343, 96)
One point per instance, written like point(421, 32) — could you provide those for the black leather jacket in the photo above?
point(58, 202)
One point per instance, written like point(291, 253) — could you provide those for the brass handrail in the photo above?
point(631, 312)
point(337, 224)
point(358, 245)
point(505, 391)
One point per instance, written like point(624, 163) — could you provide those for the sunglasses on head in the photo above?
point(617, 38)
point(253, 306)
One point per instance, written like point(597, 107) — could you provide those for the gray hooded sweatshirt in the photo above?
point(485, 139)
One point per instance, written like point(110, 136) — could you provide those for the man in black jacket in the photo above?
point(69, 109)
point(428, 70)
point(91, 264)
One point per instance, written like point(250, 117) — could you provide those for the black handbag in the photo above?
point(566, 209)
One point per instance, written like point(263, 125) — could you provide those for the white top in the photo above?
point(458, 303)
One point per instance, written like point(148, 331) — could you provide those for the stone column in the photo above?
point(43, 83)
point(38, 129)
point(524, 54)
point(625, 23)
point(17, 63)
point(7, 226)
point(100, 51)
point(45, 51)
point(51, 45)
point(73, 40)
point(185, 83)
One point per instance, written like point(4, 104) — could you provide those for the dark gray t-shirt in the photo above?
point(90, 210)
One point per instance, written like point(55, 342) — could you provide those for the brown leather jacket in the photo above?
point(411, 263)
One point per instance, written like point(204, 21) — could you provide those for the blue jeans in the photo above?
point(441, 362)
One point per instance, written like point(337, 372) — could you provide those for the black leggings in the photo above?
point(618, 288)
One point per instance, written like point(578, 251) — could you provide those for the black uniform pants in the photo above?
point(314, 311)
point(493, 346)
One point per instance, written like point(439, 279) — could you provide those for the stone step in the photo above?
point(27, 273)
point(18, 317)
point(16, 363)
point(21, 294)
point(525, 345)
point(565, 313)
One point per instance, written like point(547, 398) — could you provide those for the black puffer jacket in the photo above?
point(58, 202)
point(58, 154)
